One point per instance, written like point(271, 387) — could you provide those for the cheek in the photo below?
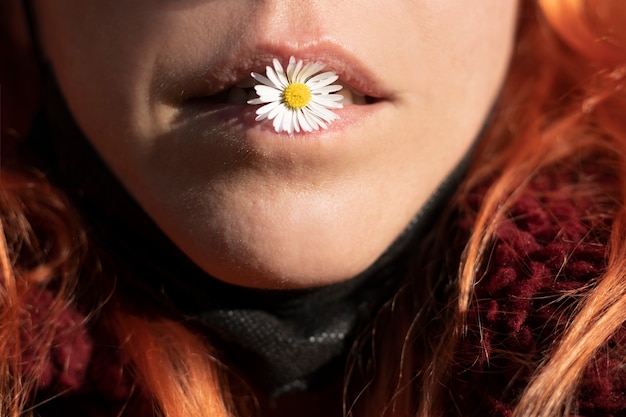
point(445, 57)
point(107, 56)
point(100, 61)
point(458, 57)
point(466, 48)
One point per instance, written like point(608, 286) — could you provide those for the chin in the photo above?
point(278, 266)
point(281, 254)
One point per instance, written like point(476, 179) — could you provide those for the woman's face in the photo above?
point(251, 206)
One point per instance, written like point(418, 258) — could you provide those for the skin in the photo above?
point(252, 207)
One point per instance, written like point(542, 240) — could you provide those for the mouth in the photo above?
point(220, 90)
point(241, 91)
point(228, 81)
point(213, 108)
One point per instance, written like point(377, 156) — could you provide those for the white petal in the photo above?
point(314, 121)
point(333, 97)
point(321, 112)
point(310, 118)
point(267, 93)
point(280, 73)
point(322, 80)
point(276, 111)
point(326, 102)
point(274, 78)
point(267, 108)
point(278, 120)
point(256, 101)
point(291, 68)
point(295, 76)
point(288, 122)
point(327, 89)
point(295, 123)
point(308, 71)
point(329, 97)
point(287, 125)
point(264, 80)
point(277, 66)
point(265, 115)
point(303, 121)
point(296, 72)
point(283, 78)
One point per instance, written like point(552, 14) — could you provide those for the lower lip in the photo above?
point(237, 124)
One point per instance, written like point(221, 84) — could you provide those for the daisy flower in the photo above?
point(298, 99)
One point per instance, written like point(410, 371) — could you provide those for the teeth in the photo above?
point(347, 96)
point(350, 97)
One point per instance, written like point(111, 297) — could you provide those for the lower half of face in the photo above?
point(151, 82)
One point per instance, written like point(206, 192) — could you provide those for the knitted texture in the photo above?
point(547, 251)
point(83, 371)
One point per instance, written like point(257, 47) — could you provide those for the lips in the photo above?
point(228, 82)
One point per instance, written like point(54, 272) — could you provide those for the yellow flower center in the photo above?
point(296, 96)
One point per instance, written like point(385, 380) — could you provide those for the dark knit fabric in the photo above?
point(547, 251)
point(83, 371)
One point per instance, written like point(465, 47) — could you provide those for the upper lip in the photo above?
point(238, 65)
